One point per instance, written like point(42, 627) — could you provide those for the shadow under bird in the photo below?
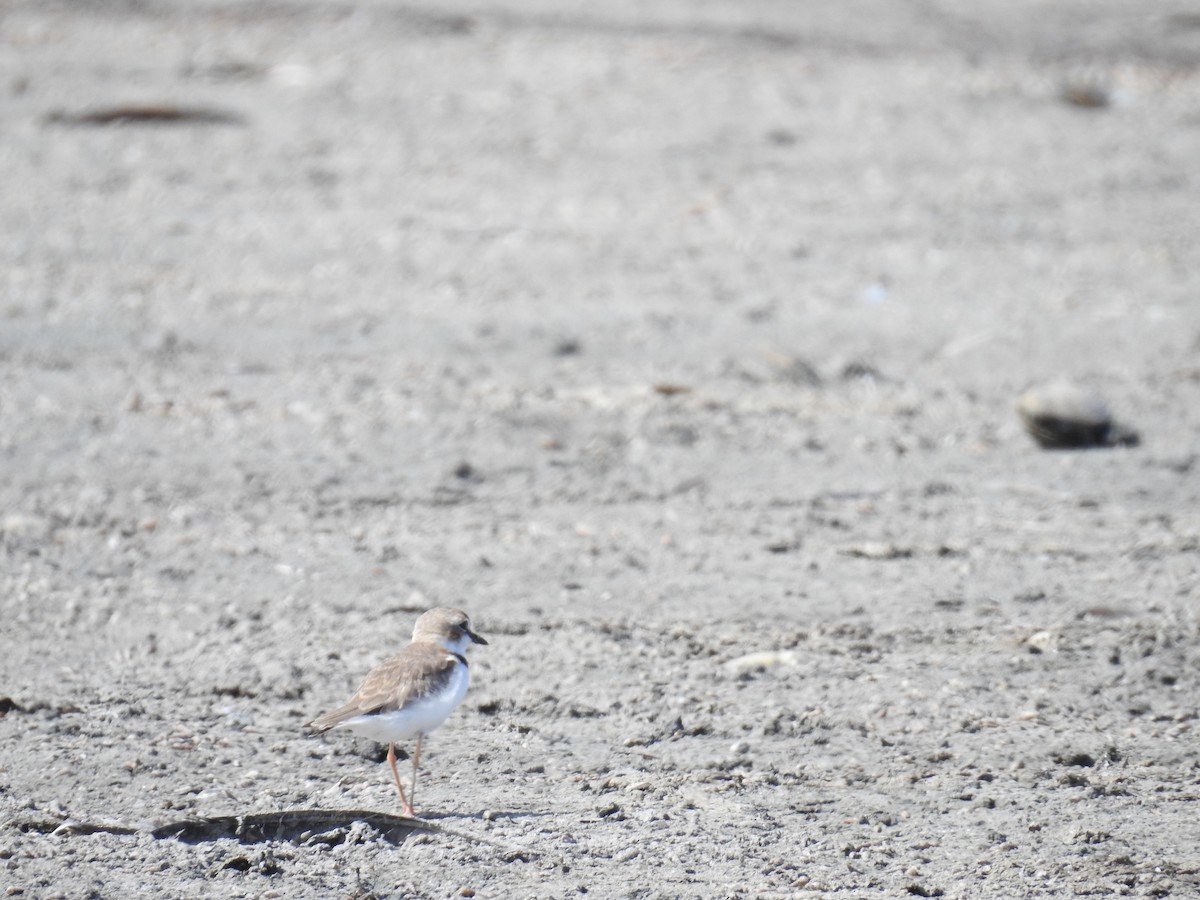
point(413, 692)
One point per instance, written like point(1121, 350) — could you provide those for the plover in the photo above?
point(412, 693)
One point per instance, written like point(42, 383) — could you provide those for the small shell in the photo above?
point(1062, 415)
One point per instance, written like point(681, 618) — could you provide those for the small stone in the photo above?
point(1086, 96)
point(762, 660)
point(1062, 415)
point(1045, 641)
point(878, 550)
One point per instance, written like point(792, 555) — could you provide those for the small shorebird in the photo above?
point(412, 693)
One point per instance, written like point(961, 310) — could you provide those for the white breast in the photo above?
point(417, 716)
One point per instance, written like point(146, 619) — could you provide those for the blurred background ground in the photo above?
point(655, 335)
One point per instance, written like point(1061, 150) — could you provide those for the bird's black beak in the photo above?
point(473, 636)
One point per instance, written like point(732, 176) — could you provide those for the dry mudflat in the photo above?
point(679, 344)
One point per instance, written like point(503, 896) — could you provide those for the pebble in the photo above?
point(763, 660)
point(1063, 415)
point(878, 550)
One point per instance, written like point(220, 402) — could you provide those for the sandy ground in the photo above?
point(656, 336)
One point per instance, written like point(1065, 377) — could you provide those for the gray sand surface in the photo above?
point(656, 335)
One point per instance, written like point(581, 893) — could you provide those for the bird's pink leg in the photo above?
point(405, 807)
point(416, 762)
